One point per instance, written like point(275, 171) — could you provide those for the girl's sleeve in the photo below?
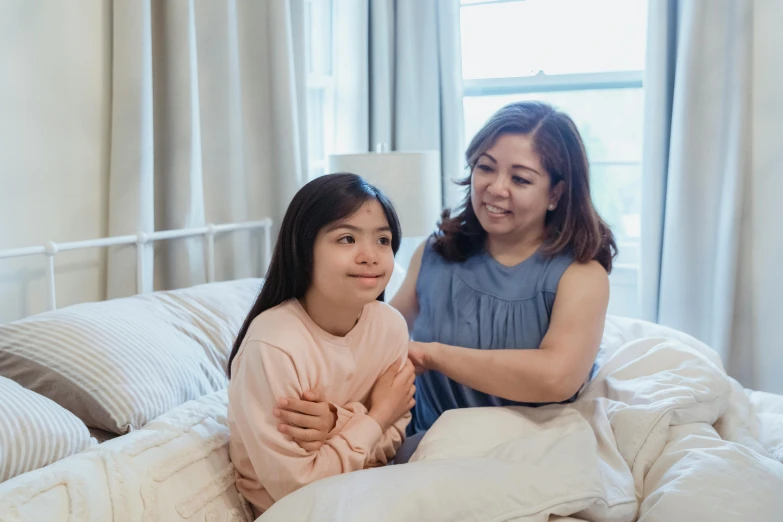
point(391, 439)
point(264, 375)
point(389, 442)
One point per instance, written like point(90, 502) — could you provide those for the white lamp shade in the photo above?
point(411, 180)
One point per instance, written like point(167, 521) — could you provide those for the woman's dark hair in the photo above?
point(574, 225)
point(319, 203)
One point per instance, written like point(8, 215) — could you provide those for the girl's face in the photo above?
point(510, 190)
point(353, 258)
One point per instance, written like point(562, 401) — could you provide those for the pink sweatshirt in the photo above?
point(285, 354)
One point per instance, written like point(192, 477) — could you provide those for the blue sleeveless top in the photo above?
point(479, 303)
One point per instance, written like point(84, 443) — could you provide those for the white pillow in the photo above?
point(35, 432)
point(479, 464)
point(119, 364)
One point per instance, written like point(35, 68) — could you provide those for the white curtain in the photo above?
point(207, 126)
point(708, 254)
point(398, 77)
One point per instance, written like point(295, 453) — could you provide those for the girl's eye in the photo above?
point(385, 241)
point(347, 240)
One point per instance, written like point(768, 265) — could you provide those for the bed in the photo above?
point(116, 410)
point(660, 434)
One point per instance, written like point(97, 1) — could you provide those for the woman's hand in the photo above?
point(420, 354)
point(392, 395)
point(307, 421)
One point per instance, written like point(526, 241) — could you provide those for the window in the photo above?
point(320, 83)
point(586, 57)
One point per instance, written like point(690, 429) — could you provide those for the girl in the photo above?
point(319, 323)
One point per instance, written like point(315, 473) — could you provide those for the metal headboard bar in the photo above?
point(51, 249)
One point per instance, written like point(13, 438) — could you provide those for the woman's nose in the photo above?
point(498, 187)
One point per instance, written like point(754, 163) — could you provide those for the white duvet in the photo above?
point(660, 434)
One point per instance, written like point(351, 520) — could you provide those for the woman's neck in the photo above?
point(333, 317)
point(511, 250)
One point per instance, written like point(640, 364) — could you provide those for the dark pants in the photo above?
point(408, 448)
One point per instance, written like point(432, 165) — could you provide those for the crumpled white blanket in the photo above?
point(661, 434)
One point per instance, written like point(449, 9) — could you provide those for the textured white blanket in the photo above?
point(660, 434)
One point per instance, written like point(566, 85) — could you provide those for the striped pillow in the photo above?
point(34, 431)
point(119, 364)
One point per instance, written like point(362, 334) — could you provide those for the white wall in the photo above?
point(55, 75)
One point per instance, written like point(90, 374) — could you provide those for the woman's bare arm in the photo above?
point(555, 371)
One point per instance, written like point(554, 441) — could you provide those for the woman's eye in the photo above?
point(484, 168)
point(520, 181)
point(348, 240)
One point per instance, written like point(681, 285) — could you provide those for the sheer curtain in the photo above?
point(207, 125)
point(398, 75)
point(713, 123)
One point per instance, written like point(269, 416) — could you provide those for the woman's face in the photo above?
point(353, 258)
point(510, 191)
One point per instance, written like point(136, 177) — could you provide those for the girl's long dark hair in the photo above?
point(319, 203)
point(574, 225)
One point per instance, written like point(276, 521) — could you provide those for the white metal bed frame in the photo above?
point(140, 240)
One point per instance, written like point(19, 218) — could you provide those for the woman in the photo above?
point(506, 302)
point(523, 265)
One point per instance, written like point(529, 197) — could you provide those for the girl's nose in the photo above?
point(366, 253)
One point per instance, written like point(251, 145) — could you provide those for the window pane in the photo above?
point(616, 191)
point(318, 20)
point(524, 38)
point(610, 120)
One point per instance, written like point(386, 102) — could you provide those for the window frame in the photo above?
point(624, 275)
point(543, 83)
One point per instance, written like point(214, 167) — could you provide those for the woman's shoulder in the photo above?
point(552, 267)
point(579, 273)
point(427, 258)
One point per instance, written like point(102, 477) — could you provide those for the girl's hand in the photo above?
point(420, 355)
point(392, 395)
point(307, 421)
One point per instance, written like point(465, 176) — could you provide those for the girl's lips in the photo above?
point(367, 280)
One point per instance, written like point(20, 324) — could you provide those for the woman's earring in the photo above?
point(551, 207)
